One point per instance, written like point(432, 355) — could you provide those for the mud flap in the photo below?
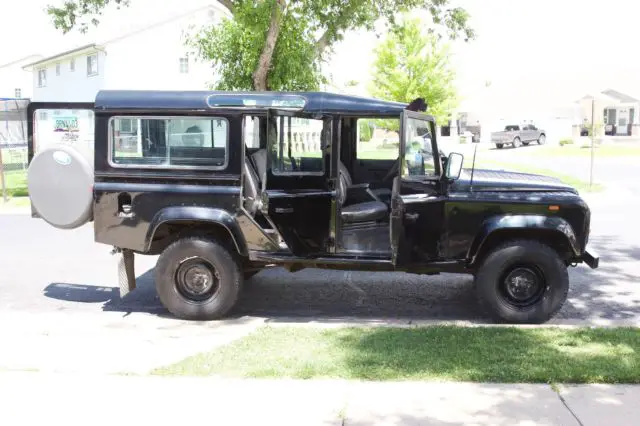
point(126, 272)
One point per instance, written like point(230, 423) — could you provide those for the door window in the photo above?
point(378, 139)
point(418, 150)
point(298, 144)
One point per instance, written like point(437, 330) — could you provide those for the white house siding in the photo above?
point(70, 86)
point(13, 76)
point(150, 60)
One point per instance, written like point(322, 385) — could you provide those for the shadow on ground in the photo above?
point(609, 293)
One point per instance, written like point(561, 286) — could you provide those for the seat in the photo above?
point(252, 200)
point(367, 211)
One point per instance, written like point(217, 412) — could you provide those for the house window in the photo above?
point(42, 78)
point(184, 65)
point(92, 64)
point(72, 64)
point(57, 69)
point(18, 93)
point(169, 143)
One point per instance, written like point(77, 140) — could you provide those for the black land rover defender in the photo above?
point(223, 184)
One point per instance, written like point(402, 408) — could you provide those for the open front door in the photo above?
point(299, 196)
point(417, 201)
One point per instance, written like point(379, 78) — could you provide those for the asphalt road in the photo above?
point(44, 270)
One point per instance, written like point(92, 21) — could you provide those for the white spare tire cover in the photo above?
point(60, 182)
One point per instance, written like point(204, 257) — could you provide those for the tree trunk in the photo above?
point(264, 63)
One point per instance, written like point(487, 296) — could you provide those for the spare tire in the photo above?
point(60, 182)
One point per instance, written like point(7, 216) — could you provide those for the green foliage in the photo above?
point(366, 130)
point(412, 63)
point(307, 31)
point(566, 141)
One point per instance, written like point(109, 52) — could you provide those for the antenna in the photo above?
point(473, 167)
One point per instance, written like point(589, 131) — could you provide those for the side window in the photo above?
point(173, 142)
point(378, 139)
point(251, 132)
point(297, 144)
point(418, 155)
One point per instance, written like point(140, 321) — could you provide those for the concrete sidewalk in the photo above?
point(35, 398)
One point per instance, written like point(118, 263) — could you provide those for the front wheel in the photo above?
point(499, 145)
point(522, 282)
point(542, 139)
point(198, 279)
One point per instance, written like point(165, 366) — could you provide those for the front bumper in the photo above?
point(591, 258)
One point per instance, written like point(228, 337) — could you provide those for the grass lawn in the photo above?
point(608, 151)
point(478, 354)
point(16, 183)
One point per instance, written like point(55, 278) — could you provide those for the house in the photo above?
point(154, 57)
point(15, 82)
point(616, 112)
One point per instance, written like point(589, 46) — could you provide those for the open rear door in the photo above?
point(58, 184)
point(416, 196)
point(297, 188)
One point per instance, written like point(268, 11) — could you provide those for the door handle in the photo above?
point(284, 209)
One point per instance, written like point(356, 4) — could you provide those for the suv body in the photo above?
point(517, 135)
point(223, 184)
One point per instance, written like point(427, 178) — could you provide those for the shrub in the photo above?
point(365, 131)
point(566, 141)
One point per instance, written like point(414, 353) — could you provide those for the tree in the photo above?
point(410, 63)
point(278, 44)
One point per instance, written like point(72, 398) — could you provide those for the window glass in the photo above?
point(297, 144)
point(64, 126)
point(418, 156)
point(173, 142)
point(92, 65)
point(378, 139)
point(251, 132)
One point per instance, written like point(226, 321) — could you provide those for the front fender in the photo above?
point(522, 222)
point(198, 214)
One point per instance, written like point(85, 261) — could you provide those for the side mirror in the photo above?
point(454, 165)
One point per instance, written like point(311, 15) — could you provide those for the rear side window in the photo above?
point(169, 142)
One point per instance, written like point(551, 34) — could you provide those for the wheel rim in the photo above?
point(523, 286)
point(542, 140)
point(516, 143)
point(197, 279)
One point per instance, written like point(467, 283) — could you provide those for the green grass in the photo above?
point(478, 354)
point(602, 151)
point(16, 183)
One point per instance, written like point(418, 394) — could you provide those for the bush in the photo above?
point(566, 141)
point(365, 131)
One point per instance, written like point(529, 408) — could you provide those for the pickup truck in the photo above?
point(517, 135)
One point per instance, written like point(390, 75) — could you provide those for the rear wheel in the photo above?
point(198, 279)
point(516, 142)
point(522, 282)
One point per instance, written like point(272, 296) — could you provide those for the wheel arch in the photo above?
point(175, 222)
point(553, 231)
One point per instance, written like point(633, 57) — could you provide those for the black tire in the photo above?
point(499, 145)
point(525, 143)
point(542, 139)
point(198, 279)
point(543, 264)
point(516, 142)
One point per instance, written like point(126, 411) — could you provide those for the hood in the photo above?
point(499, 180)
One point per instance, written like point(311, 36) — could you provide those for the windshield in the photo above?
point(418, 150)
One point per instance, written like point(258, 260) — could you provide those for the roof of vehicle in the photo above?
point(311, 102)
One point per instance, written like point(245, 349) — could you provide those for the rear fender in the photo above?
point(522, 222)
point(203, 215)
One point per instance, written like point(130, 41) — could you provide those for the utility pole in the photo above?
point(593, 140)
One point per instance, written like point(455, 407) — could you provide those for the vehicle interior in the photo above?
point(366, 173)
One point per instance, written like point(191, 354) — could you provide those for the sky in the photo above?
point(535, 51)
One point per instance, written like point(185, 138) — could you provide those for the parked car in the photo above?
point(515, 135)
point(254, 196)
